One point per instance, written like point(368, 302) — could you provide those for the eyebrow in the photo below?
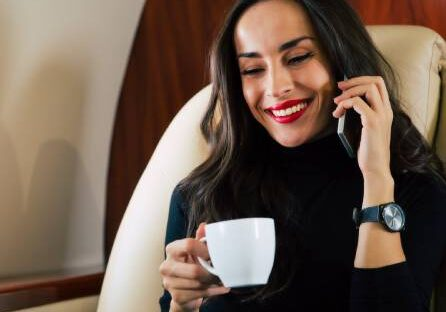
point(285, 46)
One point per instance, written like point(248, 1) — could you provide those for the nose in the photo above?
point(280, 82)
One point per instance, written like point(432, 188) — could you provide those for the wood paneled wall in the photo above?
point(429, 13)
point(168, 65)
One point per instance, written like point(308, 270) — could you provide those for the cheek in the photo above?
point(320, 80)
point(252, 94)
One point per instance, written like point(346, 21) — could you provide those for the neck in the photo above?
point(330, 129)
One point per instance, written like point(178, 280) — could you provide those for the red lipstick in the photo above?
point(285, 105)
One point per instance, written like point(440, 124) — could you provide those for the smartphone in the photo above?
point(349, 130)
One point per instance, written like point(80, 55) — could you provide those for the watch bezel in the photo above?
point(382, 210)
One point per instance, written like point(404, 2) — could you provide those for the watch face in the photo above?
point(393, 217)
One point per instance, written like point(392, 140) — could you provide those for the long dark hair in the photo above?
point(236, 180)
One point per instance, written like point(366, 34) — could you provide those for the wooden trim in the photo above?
point(31, 291)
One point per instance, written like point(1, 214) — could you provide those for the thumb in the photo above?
point(200, 231)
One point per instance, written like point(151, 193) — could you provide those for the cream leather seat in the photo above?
point(132, 282)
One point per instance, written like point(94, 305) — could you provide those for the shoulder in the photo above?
point(178, 200)
point(177, 219)
point(177, 195)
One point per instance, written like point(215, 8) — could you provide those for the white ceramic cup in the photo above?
point(241, 251)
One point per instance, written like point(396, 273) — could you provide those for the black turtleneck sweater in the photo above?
point(330, 184)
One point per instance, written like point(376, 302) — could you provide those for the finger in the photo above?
point(200, 231)
point(185, 296)
point(186, 284)
point(355, 81)
point(368, 91)
point(190, 259)
point(377, 80)
point(183, 283)
point(187, 246)
point(360, 107)
point(186, 270)
point(218, 290)
point(381, 85)
point(338, 112)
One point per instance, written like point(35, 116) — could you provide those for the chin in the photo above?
point(287, 142)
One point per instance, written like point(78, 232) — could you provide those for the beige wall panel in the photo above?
point(61, 67)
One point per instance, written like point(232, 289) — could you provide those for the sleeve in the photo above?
point(407, 286)
point(176, 229)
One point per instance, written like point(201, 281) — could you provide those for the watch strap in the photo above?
point(368, 214)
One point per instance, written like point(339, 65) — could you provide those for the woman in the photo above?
point(277, 69)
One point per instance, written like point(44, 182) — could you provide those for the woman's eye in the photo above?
point(252, 71)
point(292, 61)
point(300, 58)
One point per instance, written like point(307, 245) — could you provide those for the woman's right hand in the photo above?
point(184, 278)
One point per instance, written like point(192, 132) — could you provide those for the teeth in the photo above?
point(289, 110)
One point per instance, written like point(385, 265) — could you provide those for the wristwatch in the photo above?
point(390, 215)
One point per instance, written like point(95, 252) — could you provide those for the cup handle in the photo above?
point(205, 264)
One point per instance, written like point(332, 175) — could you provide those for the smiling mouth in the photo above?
point(290, 113)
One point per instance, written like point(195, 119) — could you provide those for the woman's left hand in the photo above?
point(376, 118)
